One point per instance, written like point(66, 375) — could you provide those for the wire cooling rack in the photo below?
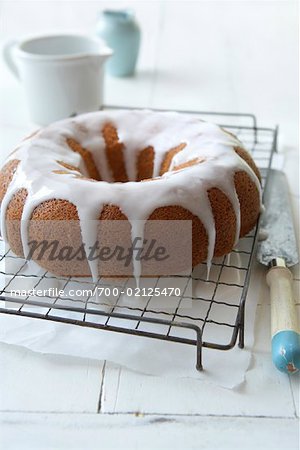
point(198, 311)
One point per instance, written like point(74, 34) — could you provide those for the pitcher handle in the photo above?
point(9, 58)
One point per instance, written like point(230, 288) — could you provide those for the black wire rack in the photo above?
point(207, 312)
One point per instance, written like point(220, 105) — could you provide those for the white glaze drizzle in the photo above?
point(39, 156)
point(137, 230)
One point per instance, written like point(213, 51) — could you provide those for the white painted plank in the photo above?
point(296, 393)
point(92, 431)
point(10, 137)
point(210, 59)
point(164, 396)
point(262, 64)
point(191, 60)
point(37, 382)
point(125, 391)
point(13, 110)
point(291, 168)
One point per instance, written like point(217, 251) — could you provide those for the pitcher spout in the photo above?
point(106, 52)
point(102, 53)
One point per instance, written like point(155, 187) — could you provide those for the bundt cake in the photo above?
point(133, 166)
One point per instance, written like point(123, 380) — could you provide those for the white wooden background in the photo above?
point(203, 55)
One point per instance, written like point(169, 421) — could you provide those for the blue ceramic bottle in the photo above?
point(121, 32)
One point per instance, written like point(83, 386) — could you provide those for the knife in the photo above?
point(278, 252)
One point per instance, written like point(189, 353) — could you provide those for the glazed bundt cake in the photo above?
point(132, 166)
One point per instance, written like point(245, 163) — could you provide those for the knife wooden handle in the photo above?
point(285, 332)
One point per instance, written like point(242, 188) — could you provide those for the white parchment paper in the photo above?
point(149, 356)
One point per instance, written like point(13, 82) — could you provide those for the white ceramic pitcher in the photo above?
point(62, 74)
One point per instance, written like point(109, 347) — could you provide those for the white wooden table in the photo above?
point(229, 56)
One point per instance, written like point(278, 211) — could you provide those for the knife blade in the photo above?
point(278, 252)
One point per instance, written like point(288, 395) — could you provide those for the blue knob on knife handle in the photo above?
point(286, 351)
point(285, 335)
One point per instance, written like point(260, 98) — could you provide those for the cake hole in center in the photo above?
point(115, 153)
